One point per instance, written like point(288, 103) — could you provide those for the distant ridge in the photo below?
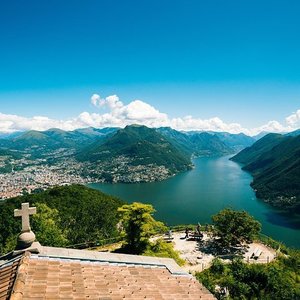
point(197, 143)
point(39, 142)
point(294, 133)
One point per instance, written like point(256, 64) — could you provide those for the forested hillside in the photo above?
point(68, 215)
point(197, 143)
point(274, 162)
point(143, 145)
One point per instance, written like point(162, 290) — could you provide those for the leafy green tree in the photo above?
point(272, 281)
point(138, 226)
point(46, 228)
point(10, 244)
point(160, 248)
point(217, 266)
point(280, 284)
point(233, 227)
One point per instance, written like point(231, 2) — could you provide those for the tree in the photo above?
point(84, 215)
point(251, 281)
point(161, 248)
point(234, 227)
point(138, 225)
point(46, 228)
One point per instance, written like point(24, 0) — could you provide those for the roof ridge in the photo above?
point(18, 286)
point(88, 255)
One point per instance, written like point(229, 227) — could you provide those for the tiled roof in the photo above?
point(8, 272)
point(58, 273)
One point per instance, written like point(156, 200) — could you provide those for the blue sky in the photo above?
point(235, 60)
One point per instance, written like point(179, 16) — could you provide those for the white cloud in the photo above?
point(111, 102)
point(294, 119)
point(12, 123)
point(273, 126)
point(117, 114)
point(95, 99)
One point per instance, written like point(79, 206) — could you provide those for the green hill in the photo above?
point(50, 139)
point(37, 143)
point(263, 145)
point(207, 144)
point(84, 214)
point(6, 152)
point(294, 133)
point(142, 144)
point(196, 143)
point(5, 160)
point(274, 162)
point(96, 132)
point(179, 139)
point(235, 141)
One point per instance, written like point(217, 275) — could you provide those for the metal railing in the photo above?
point(95, 244)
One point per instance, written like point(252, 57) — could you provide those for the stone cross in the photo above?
point(24, 213)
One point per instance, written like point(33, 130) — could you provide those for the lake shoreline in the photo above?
point(194, 196)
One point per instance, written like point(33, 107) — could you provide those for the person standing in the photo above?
point(186, 233)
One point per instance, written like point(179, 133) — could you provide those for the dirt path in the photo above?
point(198, 257)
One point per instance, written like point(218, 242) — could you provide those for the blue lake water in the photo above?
point(194, 196)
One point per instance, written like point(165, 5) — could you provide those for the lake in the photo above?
point(194, 196)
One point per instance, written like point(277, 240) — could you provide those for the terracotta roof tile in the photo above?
point(121, 277)
point(8, 273)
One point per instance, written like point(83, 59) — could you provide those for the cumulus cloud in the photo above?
point(95, 99)
point(294, 119)
point(11, 123)
point(117, 114)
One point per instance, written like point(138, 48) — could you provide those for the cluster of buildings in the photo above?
point(39, 177)
point(141, 173)
point(27, 176)
point(125, 169)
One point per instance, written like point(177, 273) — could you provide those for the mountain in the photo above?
point(265, 144)
point(294, 133)
point(235, 141)
point(92, 132)
point(190, 143)
point(208, 145)
point(52, 138)
point(142, 145)
point(274, 162)
point(5, 152)
point(196, 143)
point(10, 135)
point(260, 135)
point(133, 154)
point(179, 139)
point(37, 143)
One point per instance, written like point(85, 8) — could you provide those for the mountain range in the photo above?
point(108, 152)
point(192, 143)
point(274, 162)
point(54, 138)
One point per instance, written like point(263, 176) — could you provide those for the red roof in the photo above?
point(58, 273)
